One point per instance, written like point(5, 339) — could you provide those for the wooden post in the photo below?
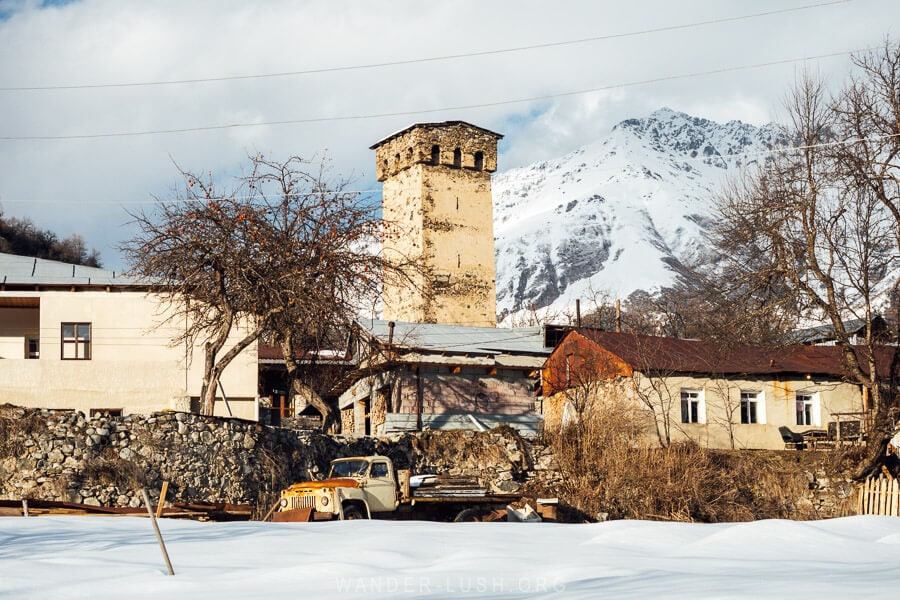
point(25, 507)
point(159, 538)
point(618, 316)
point(162, 498)
point(271, 510)
point(419, 399)
point(577, 312)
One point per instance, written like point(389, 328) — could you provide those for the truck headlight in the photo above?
point(284, 503)
point(324, 500)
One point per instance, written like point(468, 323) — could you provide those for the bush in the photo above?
point(609, 466)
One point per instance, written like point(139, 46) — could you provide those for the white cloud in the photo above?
point(79, 185)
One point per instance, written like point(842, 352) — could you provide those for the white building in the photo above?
point(91, 339)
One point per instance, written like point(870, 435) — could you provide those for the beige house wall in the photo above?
point(133, 366)
point(720, 416)
point(721, 421)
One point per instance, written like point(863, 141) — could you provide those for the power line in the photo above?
point(427, 59)
point(706, 159)
point(359, 117)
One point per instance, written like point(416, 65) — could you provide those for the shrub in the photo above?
point(608, 465)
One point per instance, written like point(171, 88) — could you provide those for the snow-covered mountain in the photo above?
point(608, 218)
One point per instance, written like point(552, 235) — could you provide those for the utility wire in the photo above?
point(423, 60)
point(461, 107)
point(505, 175)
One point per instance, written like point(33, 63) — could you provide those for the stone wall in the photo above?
point(104, 461)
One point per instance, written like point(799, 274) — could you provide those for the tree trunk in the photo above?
point(330, 420)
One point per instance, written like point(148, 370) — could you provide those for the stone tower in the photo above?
point(437, 191)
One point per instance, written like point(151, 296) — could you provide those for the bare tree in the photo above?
point(819, 223)
point(288, 252)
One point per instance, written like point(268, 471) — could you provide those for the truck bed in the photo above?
point(456, 488)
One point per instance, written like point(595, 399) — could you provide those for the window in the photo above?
point(435, 155)
point(379, 470)
point(32, 347)
point(479, 161)
point(76, 341)
point(807, 409)
point(692, 407)
point(457, 158)
point(753, 408)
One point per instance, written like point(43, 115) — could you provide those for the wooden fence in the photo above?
point(879, 496)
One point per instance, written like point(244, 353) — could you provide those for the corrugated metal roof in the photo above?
point(644, 352)
point(25, 270)
point(528, 426)
point(459, 339)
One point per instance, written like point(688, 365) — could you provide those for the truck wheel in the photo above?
point(353, 512)
point(468, 515)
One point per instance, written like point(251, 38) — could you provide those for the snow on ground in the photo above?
point(118, 557)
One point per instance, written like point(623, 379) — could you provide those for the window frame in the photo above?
point(372, 471)
point(758, 401)
point(810, 409)
point(694, 397)
point(29, 354)
point(76, 341)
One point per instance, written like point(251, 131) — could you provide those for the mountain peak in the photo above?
point(612, 217)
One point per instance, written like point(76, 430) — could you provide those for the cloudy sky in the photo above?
point(99, 97)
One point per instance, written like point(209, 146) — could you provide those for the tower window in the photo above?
point(457, 158)
point(479, 161)
point(435, 155)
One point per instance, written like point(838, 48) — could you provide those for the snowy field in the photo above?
point(107, 557)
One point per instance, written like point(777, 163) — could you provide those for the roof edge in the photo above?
point(433, 125)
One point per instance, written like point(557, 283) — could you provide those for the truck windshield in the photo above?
point(349, 468)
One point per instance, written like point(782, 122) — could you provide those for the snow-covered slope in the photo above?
point(81, 557)
point(608, 218)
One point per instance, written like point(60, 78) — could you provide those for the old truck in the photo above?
point(366, 487)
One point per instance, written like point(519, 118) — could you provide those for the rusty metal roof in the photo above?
point(643, 352)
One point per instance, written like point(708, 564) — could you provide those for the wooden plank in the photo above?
point(895, 492)
point(162, 498)
point(864, 498)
